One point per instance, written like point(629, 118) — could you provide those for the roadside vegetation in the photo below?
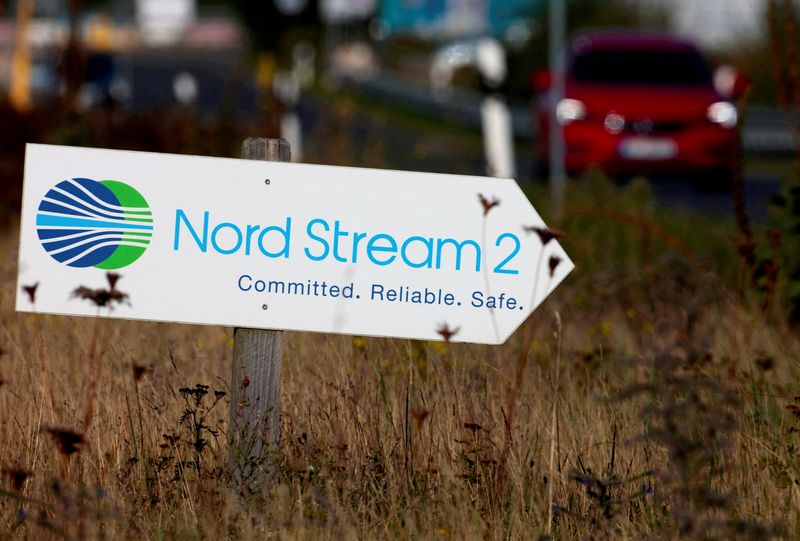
point(654, 394)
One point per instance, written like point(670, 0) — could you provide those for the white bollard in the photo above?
point(498, 136)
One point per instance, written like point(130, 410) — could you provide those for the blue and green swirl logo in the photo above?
point(88, 223)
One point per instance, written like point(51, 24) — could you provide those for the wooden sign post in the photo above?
point(255, 422)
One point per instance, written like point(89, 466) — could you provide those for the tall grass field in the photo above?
point(654, 395)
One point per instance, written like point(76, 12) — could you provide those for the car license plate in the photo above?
point(645, 148)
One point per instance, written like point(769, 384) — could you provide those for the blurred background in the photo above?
point(698, 95)
point(661, 136)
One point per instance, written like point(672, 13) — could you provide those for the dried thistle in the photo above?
point(774, 236)
point(553, 263)
point(419, 417)
point(197, 393)
point(100, 297)
point(446, 332)
point(112, 278)
point(488, 204)
point(765, 362)
point(170, 440)
point(794, 408)
point(767, 275)
point(747, 250)
point(601, 492)
point(139, 371)
point(68, 441)
point(545, 235)
point(31, 291)
point(18, 476)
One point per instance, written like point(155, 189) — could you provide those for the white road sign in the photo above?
point(281, 246)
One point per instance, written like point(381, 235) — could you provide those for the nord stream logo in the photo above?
point(87, 223)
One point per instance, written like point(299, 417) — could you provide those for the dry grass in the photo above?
point(650, 396)
point(651, 402)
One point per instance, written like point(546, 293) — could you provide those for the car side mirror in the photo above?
point(740, 86)
point(540, 80)
point(730, 82)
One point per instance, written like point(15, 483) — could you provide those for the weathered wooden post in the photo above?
point(255, 422)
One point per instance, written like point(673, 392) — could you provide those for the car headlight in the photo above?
point(723, 113)
point(569, 110)
point(614, 123)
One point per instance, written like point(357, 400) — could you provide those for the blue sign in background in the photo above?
point(433, 16)
point(412, 15)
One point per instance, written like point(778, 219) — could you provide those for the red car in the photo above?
point(641, 103)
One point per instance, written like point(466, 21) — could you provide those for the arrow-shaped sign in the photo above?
point(282, 246)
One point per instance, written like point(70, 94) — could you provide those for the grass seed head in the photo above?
point(488, 204)
point(545, 235)
point(112, 278)
point(553, 264)
point(765, 362)
point(68, 441)
point(794, 409)
point(139, 371)
point(774, 236)
point(746, 248)
point(170, 439)
point(419, 417)
point(18, 476)
point(31, 291)
point(100, 297)
point(446, 332)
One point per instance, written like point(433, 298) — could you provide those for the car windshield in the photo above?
point(649, 67)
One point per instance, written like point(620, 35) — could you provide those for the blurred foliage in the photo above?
point(786, 218)
point(767, 58)
point(782, 263)
point(620, 222)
